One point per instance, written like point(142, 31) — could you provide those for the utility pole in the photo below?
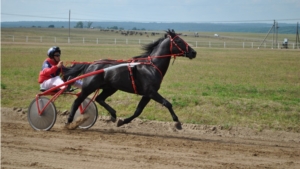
point(276, 44)
point(268, 34)
point(297, 37)
point(69, 21)
point(273, 34)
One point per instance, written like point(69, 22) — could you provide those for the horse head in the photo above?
point(178, 46)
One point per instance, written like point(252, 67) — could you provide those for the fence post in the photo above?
point(13, 38)
point(68, 39)
point(126, 41)
point(26, 38)
point(224, 45)
point(209, 44)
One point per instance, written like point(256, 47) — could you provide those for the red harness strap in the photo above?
point(132, 79)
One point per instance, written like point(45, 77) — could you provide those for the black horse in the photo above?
point(143, 76)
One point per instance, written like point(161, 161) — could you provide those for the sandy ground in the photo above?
point(142, 144)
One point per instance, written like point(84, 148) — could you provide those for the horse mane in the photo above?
point(148, 48)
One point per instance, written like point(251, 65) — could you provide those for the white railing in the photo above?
point(128, 41)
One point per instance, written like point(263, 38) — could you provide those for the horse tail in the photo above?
point(73, 71)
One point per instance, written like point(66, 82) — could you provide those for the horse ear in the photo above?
point(168, 31)
point(171, 32)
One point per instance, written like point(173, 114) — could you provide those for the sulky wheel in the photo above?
point(47, 119)
point(91, 112)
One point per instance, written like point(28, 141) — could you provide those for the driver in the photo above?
point(51, 69)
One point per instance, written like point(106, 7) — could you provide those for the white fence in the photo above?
point(128, 41)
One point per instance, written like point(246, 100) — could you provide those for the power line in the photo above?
point(81, 19)
point(259, 20)
point(33, 16)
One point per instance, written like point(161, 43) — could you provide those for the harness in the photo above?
point(132, 79)
point(144, 61)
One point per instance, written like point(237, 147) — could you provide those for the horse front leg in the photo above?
point(158, 98)
point(75, 106)
point(143, 102)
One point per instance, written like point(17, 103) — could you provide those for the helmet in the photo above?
point(52, 50)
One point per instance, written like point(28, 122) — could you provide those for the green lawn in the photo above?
point(228, 87)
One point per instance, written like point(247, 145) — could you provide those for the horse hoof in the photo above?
point(80, 120)
point(68, 126)
point(178, 125)
point(120, 123)
point(112, 119)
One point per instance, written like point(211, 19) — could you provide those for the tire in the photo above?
point(47, 119)
point(91, 112)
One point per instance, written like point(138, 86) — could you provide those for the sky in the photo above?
point(198, 11)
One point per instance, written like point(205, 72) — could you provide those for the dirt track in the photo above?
point(143, 144)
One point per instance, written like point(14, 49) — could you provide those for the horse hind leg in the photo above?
point(143, 102)
point(101, 100)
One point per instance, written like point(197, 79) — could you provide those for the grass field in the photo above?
point(228, 87)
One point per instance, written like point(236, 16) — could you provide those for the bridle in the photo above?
point(174, 43)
